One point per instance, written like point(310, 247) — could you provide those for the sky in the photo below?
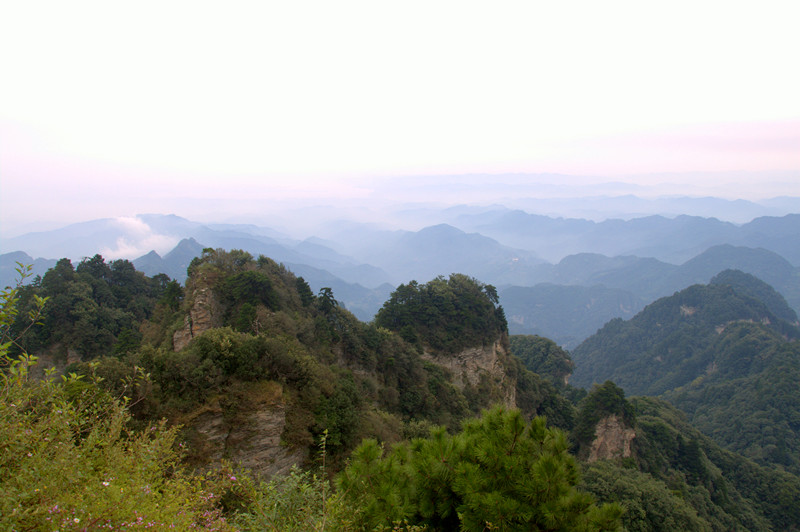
point(113, 109)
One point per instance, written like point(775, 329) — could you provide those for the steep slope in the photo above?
point(724, 358)
point(585, 290)
point(671, 342)
point(752, 286)
point(766, 265)
point(672, 477)
point(261, 371)
point(750, 400)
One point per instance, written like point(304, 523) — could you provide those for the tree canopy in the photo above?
point(446, 315)
point(498, 473)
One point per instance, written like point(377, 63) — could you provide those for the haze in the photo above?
point(245, 111)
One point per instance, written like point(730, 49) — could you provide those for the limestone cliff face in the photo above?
point(205, 314)
point(52, 359)
point(470, 366)
point(612, 439)
point(252, 440)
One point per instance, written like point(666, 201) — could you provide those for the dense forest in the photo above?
point(720, 354)
point(244, 401)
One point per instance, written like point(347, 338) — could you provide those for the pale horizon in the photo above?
point(111, 111)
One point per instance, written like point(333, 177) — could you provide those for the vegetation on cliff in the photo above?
point(543, 357)
point(94, 309)
point(445, 315)
point(720, 356)
point(677, 478)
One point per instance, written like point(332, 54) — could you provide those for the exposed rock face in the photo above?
point(204, 315)
point(471, 365)
point(612, 439)
point(252, 442)
point(51, 359)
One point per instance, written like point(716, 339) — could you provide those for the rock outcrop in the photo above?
point(251, 440)
point(205, 314)
point(52, 358)
point(612, 439)
point(470, 366)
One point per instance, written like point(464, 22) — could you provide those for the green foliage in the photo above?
point(751, 402)
point(671, 342)
point(535, 396)
point(719, 355)
point(542, 356)
point(326, 302)
point(251, 287)
point(297, 502)
point(12, 329)
point(498, 473)
point(69, 461)
point(173, 295)
point(446, 315)
point(726, 489)
point(604, 400)
point(90, 308)
point(341, 380)
point(648, 503)
point(304, 291)
point(749, 285)
point(339, 414)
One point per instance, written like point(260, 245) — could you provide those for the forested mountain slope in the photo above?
point(721, 356)
point(242, 323)
point(679, 479)
point(672, 341)
point(263, 373)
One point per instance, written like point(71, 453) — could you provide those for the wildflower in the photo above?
point(105, 483)
point(76, 520)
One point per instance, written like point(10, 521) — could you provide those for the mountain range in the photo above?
point(582, 272)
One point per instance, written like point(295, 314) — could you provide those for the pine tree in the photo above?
point(499, 473)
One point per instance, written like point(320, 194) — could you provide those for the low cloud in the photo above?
point(138, 239)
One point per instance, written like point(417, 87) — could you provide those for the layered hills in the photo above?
point(604, 270)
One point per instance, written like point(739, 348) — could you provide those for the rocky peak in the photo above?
point(612, 439)
point(205, 314)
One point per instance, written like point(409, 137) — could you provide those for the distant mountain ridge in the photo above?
point(364, 260)
point(581, 293)
point(672, 240)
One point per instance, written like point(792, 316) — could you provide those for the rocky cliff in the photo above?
point(246, 435)
point(204, 314)
point(612, 439)
point(478, 367)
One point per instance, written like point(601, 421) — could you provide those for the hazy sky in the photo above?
point(110, 108)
